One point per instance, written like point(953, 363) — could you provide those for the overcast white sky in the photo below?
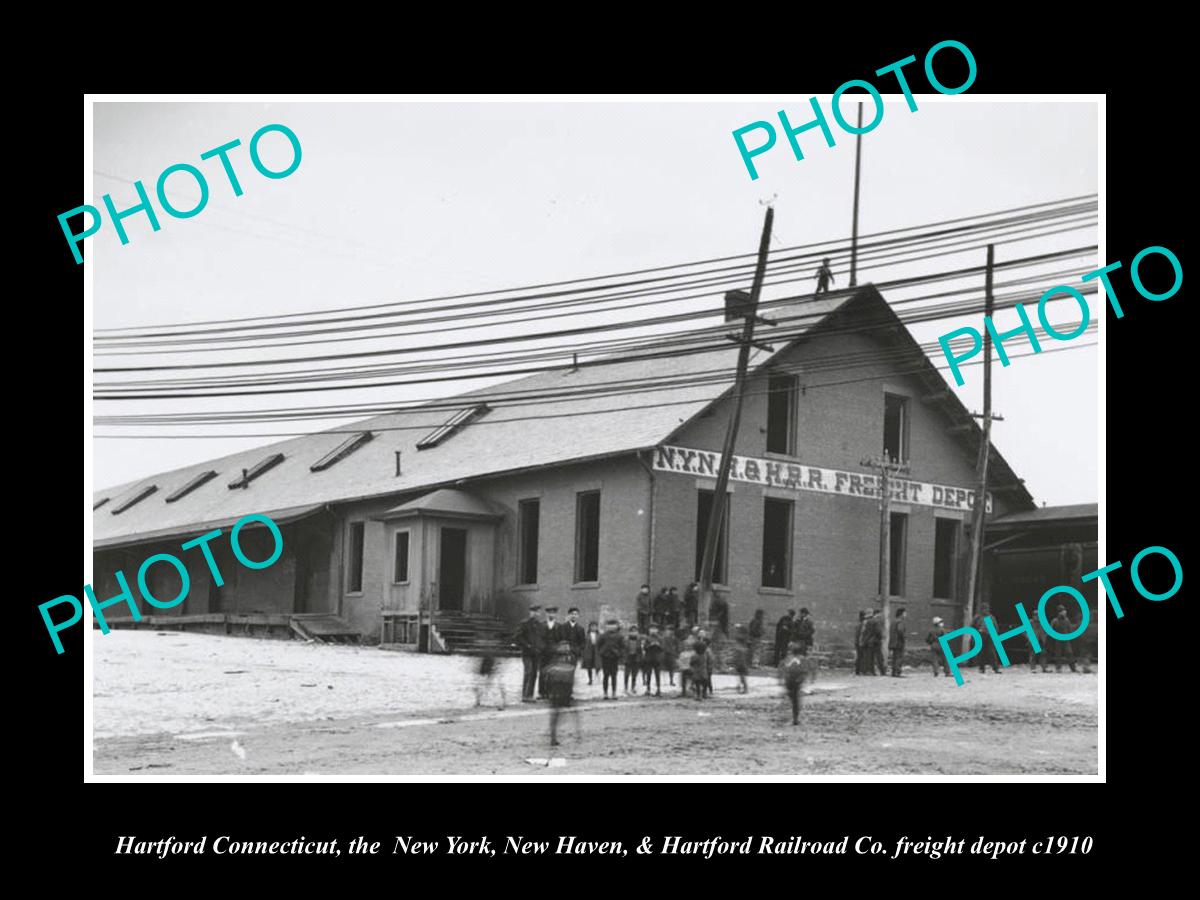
point(398, 201)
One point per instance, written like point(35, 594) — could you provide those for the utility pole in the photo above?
point(854, 228)
point(887, 468)
point(716, 515)
point(981, 466)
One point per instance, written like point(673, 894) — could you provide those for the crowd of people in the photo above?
point(669, 639)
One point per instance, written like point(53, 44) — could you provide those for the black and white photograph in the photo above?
point(599, 438)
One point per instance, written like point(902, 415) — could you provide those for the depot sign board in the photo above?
point(774, 473)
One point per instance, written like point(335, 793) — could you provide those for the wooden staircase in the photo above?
point(473, 633)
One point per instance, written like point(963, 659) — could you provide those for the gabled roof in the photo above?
point(543, 430)
point(446, 502)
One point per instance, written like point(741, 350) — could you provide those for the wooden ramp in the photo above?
point(327, 629)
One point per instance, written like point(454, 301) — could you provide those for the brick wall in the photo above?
point(624, 487)
point(835, 549)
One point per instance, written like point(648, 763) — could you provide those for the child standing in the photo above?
point(610, 648)
point(670, 654)
point(791, 673)
point(590, 657)
point(707, 663)
point(633, 659)
point(933, 639)
point(652, 661)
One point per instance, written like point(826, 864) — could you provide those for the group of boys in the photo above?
point(646, 655)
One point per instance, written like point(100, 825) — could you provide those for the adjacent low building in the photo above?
point(572, 487)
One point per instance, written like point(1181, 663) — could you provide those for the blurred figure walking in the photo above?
point(560, 678)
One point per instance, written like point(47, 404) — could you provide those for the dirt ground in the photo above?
point(181, 704)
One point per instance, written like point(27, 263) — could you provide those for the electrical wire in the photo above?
point(577, 281)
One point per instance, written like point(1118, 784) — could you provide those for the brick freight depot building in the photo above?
point(423, 526)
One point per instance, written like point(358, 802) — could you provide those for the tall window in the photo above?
point(945, 552)
point(704, 501)
point(587, 536)
point(528, 516)
point(781, 407)
point(895, 426)
point(777, 543)
point(400, 570)
point(354, 560)
point(899, 551)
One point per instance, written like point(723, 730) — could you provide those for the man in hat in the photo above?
point(572, 632)
point(803, 630)
point(642, 605)
point(824, 276)
point(549, 649)
point(896, 644)
point(987, 655)
point(1061, 651)
point(933, 639)
point(531, 641)
point(873, 644)
point(674, 607)
point(783, 635)
point(660, 607)
point(860, 667)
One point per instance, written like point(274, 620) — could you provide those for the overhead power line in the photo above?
point(576, 414)
point(582, 330)
point(1029, 208)
point(585, 306)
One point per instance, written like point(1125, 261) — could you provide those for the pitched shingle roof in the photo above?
point(508, 438)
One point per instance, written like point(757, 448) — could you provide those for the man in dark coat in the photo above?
point(662, 603)
point(756, 631)
point(553, 634)
point(783, 635)
point(642, 605)
point(802, 632)
point(873, 644)
point(674, 607)
point(860, 665)
point(896, 644)
point(691, 604)
point(531, 641)
point(572, 632)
